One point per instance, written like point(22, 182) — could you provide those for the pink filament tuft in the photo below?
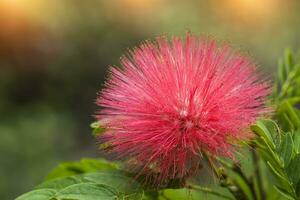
point(171, 101)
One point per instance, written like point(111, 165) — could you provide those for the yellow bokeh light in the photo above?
point(249, 12)
point(253, 8)
point(12, 2)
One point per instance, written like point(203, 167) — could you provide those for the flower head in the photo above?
point(172, 101)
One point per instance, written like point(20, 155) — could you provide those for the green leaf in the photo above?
point(281, 72)
point(262, 127)
point(78, 191)
point(285, 122)
point(273, 130)
point(284, 192)
point(86, 191)
point(288, 60)
point(267, 156)
point(107, 184)
point(296, 138)
point(288, 80)
point(293, 100)
point(269, 137)
point(114, 179)
point(292, 114)
point(83, 166)
point(60, 183)
point(286, 148)
point(40, 194)
point(277, 173)
point(293, 169)
point(273, 155)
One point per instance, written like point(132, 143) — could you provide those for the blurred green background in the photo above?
point(54, 55)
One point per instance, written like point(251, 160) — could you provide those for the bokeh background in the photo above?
point(54, 55)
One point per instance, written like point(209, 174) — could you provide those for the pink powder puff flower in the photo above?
point(172, 101)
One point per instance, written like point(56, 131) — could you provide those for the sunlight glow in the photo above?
point(250, 12)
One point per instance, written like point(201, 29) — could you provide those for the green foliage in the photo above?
point(85, 165)
point(282, 156)
point(278, 151)
point(90, 186)
point(287, 93)
point(278, 144)
point(107, 182)
point(288, 79)
point(288, 117)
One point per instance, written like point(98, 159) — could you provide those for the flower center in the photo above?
point(188, 124)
